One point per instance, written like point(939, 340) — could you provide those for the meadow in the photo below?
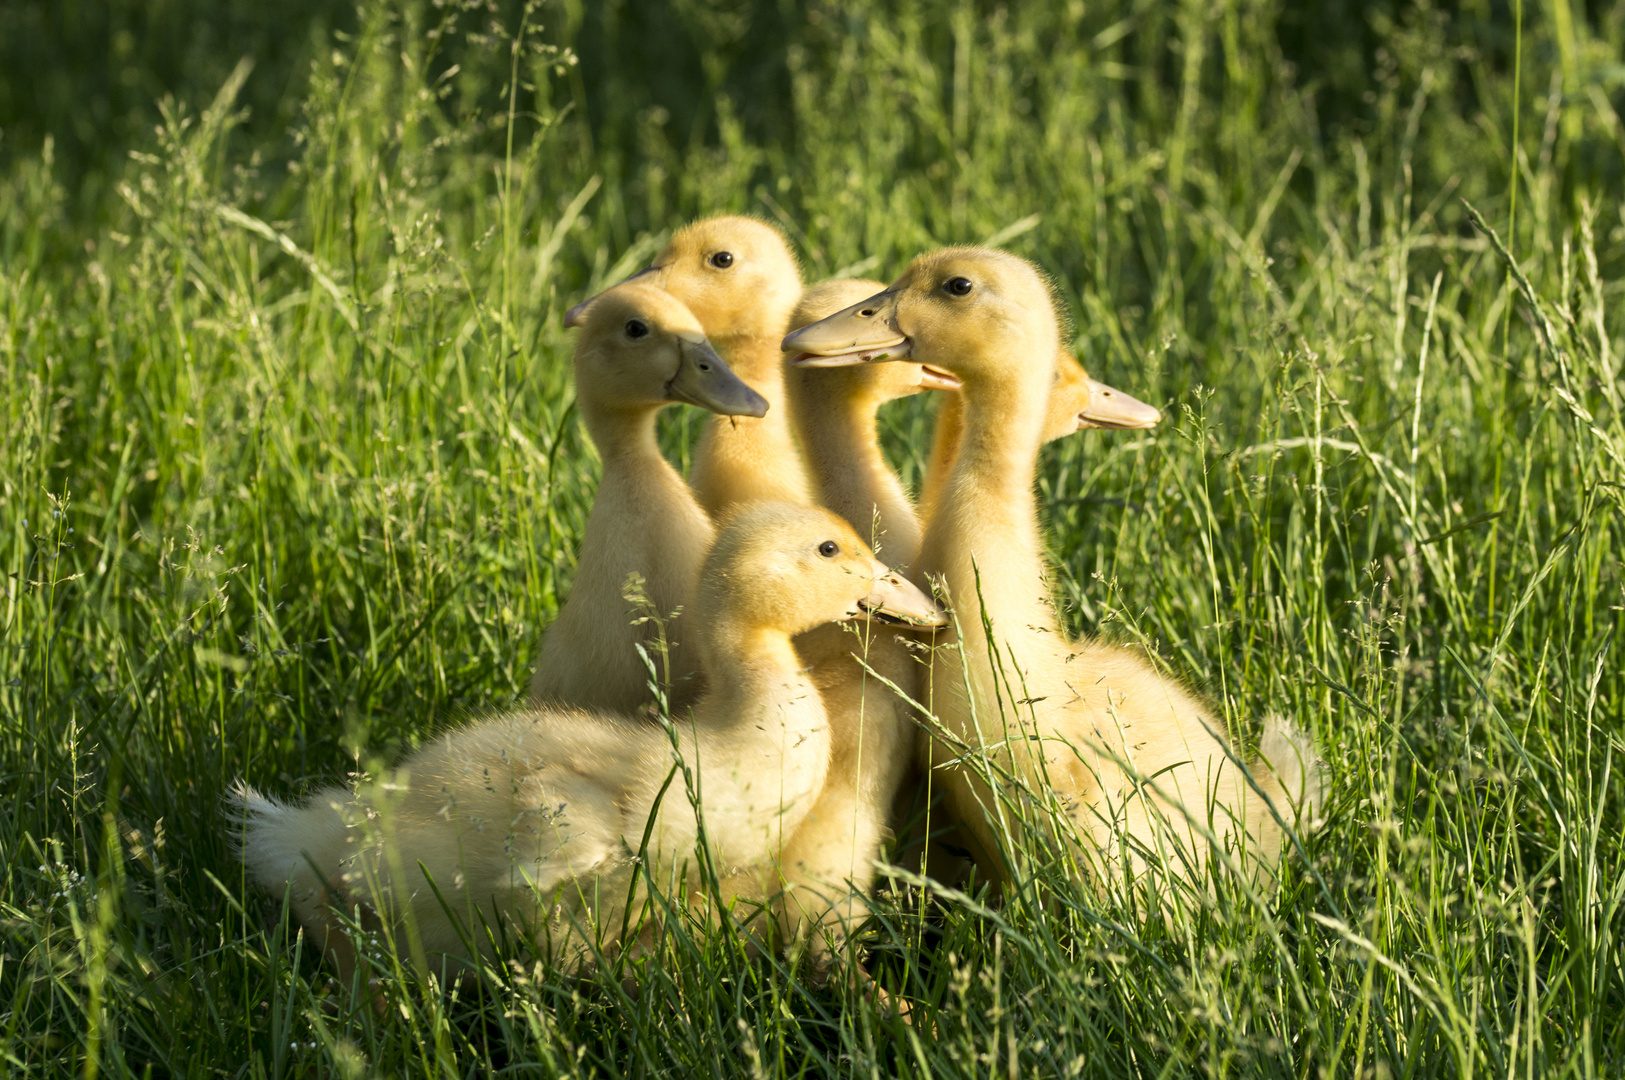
point(290, 480)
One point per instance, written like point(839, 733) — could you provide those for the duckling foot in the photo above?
point(865, 984)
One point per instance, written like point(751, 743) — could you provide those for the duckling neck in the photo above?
point(743, 459)
point(997, 454)
point(944, 447)
point(849, 473)
point(757, 359)
point(751, 669)
point(984, 533)
point(625, 439)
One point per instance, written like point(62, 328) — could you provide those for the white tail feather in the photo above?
point(1291, 761)
point(279, 842)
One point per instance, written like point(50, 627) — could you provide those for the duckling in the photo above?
point(535, 820)
point(829, 860)
point(1077, 402)
point(640, 349)
point(1134, 760)
point(832, 411)
point(739, 278)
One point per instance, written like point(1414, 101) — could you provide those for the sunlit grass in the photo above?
point(290, 480)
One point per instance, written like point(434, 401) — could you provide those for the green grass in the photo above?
point(289, 480)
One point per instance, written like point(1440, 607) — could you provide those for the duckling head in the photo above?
point(641, 347)
point(1077, 402)
point(978, 314)
point(875, 384)
point(790, 568)
point(735, 273)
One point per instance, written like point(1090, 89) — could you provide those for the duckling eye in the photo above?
point(722, 260)
point(829, 549)
point(635, 328)
point(957, 286)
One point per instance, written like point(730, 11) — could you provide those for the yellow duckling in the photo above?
point(535, 821)
point(831, 858)
point(739, 278)
point(1133, 759)
point(829, 861)
point(640, 349)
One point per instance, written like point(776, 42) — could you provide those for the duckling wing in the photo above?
point(527, 805)
point(567, 832)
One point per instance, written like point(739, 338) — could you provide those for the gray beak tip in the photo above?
point(1114, 410)
point(576, 315)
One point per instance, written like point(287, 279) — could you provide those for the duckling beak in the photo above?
point(1112, 409)
point(577, 315)
point(893, 600)
point(936, 379)
point(703, 379)
point(864, 333)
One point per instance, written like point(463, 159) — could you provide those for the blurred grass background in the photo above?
point(289, 479)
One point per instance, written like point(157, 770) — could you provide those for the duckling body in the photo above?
point(1129, 756)
point(535, 819)
point(640, 349)
point(739, 278)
